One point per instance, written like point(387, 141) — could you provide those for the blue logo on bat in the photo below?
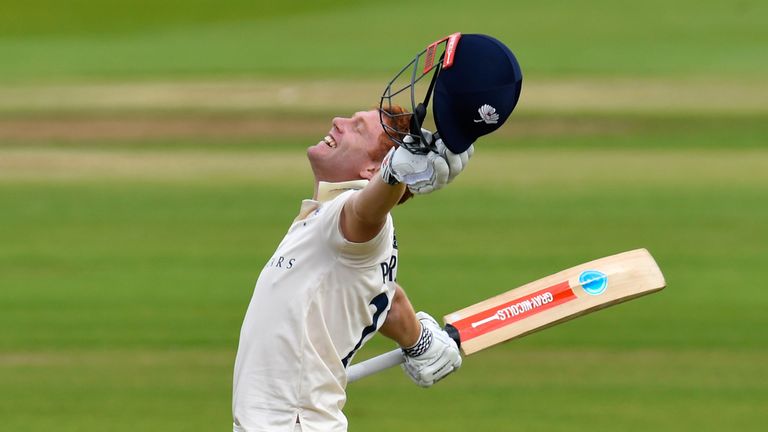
point(593, 282)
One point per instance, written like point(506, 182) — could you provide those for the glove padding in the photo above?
point(456, 162)
point(434, 356)
point(424, 173)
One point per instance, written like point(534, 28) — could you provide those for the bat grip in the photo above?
point(387, 360)
point(453, 332)
point(374, 365)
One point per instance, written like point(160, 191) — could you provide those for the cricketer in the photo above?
point(332, 283)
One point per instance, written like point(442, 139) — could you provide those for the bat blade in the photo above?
point(540, 304)
point(560, 297)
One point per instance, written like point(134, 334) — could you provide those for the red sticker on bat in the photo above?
point(512, 311)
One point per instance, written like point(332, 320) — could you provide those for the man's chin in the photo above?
point(318, 150)
point(315, 156)
point(315, 153)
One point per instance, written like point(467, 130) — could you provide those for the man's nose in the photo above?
point(339, 123)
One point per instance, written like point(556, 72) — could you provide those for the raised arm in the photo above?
point(365, 212)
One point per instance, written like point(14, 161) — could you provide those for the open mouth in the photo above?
point(329, 141)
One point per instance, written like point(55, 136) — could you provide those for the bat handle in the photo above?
point(387, 360)
point(374, 365)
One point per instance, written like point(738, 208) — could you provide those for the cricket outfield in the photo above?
point(140, 197)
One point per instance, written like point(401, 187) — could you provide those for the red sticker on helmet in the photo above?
point(450, 51)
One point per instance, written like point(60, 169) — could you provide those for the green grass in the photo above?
point(123, 298)
point(119, 39)
point(85, 17)
point(126, 265)
point(574, 390)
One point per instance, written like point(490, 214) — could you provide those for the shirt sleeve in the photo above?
point(355, 254)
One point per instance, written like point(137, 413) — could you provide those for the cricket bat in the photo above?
point(540, 304)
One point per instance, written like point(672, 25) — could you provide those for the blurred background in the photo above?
point(152, 155)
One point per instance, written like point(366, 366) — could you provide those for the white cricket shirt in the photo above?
point(318, 299)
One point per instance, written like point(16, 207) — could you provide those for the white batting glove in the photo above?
point(456, 162)
point(434, 356)
point(422, 173)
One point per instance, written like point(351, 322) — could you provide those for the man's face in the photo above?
point(345, 153)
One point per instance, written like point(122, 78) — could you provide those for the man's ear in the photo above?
point(369, 171)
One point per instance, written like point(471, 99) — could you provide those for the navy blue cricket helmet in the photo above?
point(476, 95)
point(476, 84)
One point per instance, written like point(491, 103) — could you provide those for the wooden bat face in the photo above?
point(556, 298)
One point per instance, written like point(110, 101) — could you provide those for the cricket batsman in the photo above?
point(331, 284)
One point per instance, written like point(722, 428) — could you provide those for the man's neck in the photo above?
point(326, 191)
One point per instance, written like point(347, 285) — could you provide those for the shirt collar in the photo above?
point(327, 191)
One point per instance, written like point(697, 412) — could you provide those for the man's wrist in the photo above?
point(387, 174)
point(422, 344)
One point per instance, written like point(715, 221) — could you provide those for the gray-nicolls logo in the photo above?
point(487, 115)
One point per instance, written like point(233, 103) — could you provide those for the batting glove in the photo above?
point(434, 356)
point(424, 173)
point(456, 162)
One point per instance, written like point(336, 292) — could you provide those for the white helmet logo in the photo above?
point(487, 115)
